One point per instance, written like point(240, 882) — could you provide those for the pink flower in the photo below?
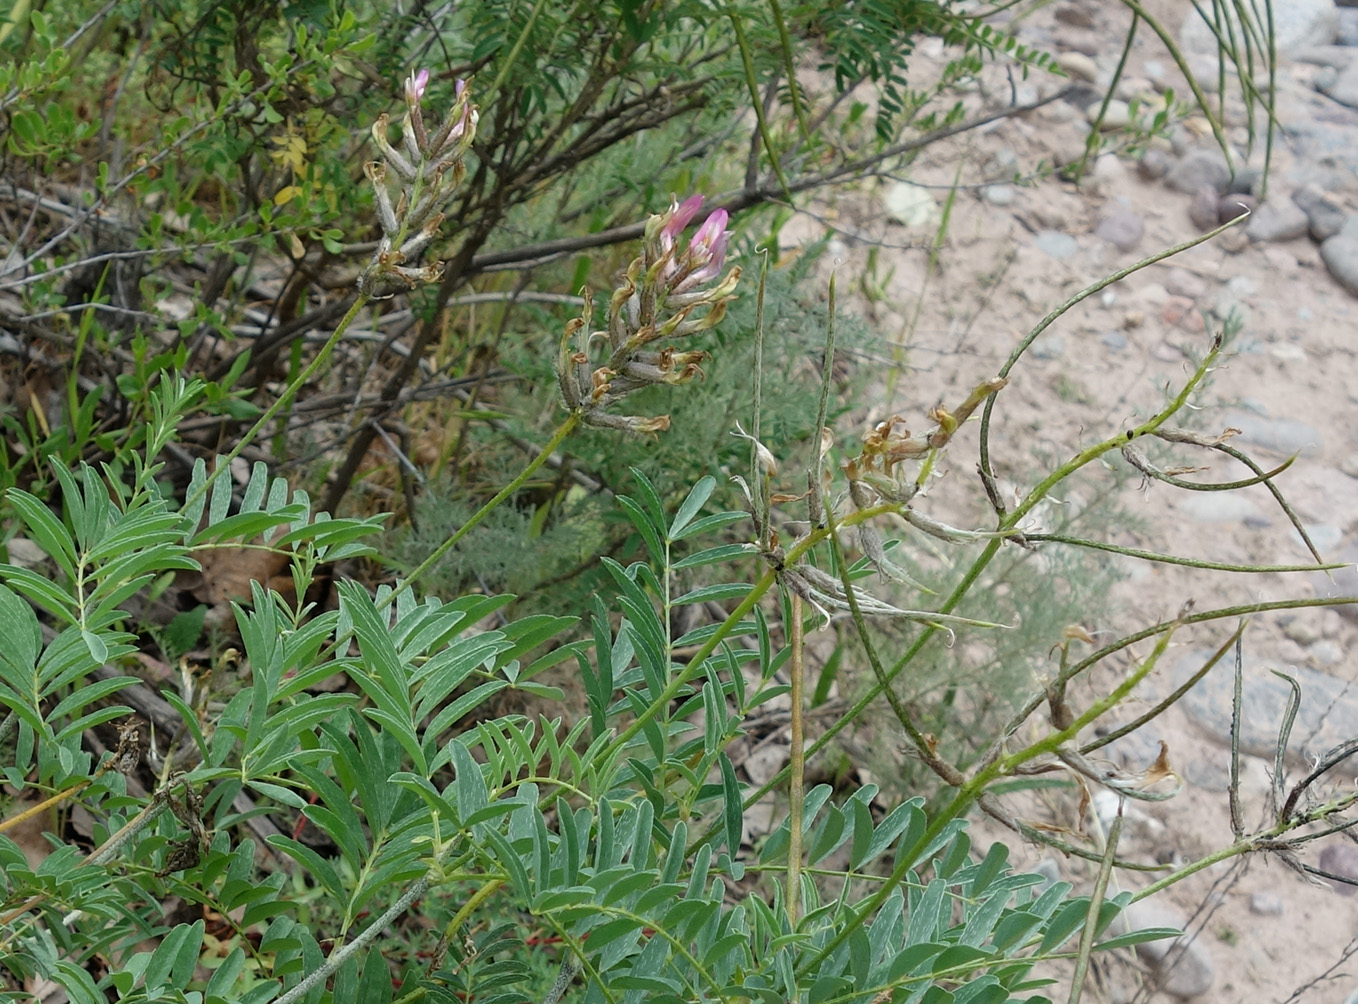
point(415, 85)
point(708, 247)
point(679, 217)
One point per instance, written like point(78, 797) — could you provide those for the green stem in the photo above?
point(224, 463)
point(566, 428)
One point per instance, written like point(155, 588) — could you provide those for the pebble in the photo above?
point(1340, 255)
point(1288, 352)
point(1182, 282)
point(1341, 859)
point(1116, 116)
point(999, 195)
point(1302, 630)
point(1182, 967)
point(1050, 347)
point(1115, 340)
point(1153, 165)
point(1078, 39)
point(1343, 87)
point(1246, 181)
point(1122, 228)
point(1284, 436)
point(1325, 216)
point(911, 205)
point(1055, 244)
point(1231, 207)
point(1050, 871)
point(1078, 65)
point(1202, 211)
point(1074, 16)
point(1233, 241)
point(1179, 311)
point(1216, 507)
point(1348, 27)
point(1197, 169)
point(1349, 465)
point(1265, 904)
point(1326, 652)
point(1278, 221)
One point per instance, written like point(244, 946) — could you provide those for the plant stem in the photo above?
point(224, 463)
point(567, 427)
point(797, 778)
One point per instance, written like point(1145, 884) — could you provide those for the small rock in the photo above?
point(1232, 207)
point(1075, 16)
point(1050, 347)
point(1121, 228)
point(1182, 282)
point(1325, 216)
point(1134, 319)
point(1341, 859)
point(1325, 536)
point(1078, 65)
point(1284, 436)
point(1055, 244)
point(1198, 169)
point(1348, 27)
point(1349, 465)
point(1265, 904)
point(1167, 353)
point(1246, 181)
point(999, 195)
point(1116, 116)
point(1002, 164)
point(1287, 352)
point(1078, 39)
point(1183, 965)
point(1154, 71)
point(1202, 211)
point(1050, 871)
point(1343, 87)
point(1117, 341)
point(1153, 165)
point(1108, 298)
point(1178, 310)
point(1290, 654)
point(1327, 652)
point(1325, 78)
point(910, 205)
point(1216, 507)
point(1340, 255)
point(1233, 241)
point(1278, 221)
point(1302, 630)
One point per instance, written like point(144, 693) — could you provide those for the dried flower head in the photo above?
point(664, 294)
point(427, 170)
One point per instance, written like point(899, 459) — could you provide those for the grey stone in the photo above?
point(1198, 169)
point(999, 195)
point(1326, 652)
point(1344, 87)
point(1325, 536)
point(1296, 23)
point(1116, 116)
point(1341, 858)
point(1265, 904)
point(1078, 65)
point(1055, 244)
point(1328, 714)
point(1278, 221)
point(1340, 255)
point(1115, 340)
point(1050, 347)
point(1325, 216)
point(1122, 228)
point(1230, 207)
point(1182, 966)
point(1284, 436)
point(1202, 211)
point(1349, 465)
point(1216, 507)
point(1246, 181)
point(1050, 871)
point(1074, 15)
point(1182, 282)
point(1153, 165)
point(1347, 33)
point(1325, 78)
point(1340, 581)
